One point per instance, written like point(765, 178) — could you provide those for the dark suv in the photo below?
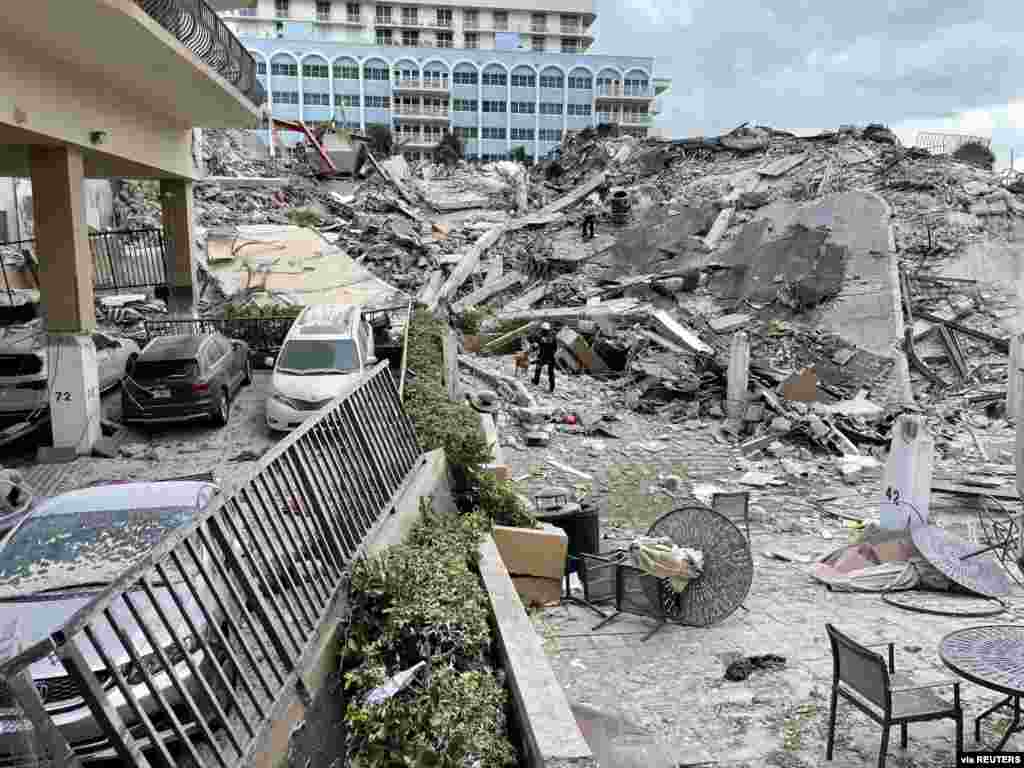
point(182, 378)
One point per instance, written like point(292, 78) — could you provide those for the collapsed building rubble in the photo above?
point(859, 270)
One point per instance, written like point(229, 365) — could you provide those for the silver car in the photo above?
point(23, 370)
point(55, 562)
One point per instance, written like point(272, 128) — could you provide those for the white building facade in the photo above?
point(499, 75)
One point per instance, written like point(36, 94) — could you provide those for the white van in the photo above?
point(327, 347)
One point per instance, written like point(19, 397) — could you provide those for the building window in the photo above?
point(284, 70)
point(444, 17)
point(464, 105)
point(523, 107)
point(471, 20)
point(550, 134)
point(315, 70)
point(383, 14)
point(472, 39)
point(444, 39)
point(464, 132)
point(323, 11)
point(493, 133)
point(383, 37)
point(537, 43)
point(538, 22)
point(410, 39)
point(522, 134)
point(352, 12)
point(550, 108)
point(571, 45)
point(376, 73)
point(571, 24)
point(524, 81)
point(435, 79)
point(281, 9)
point(465, 78)
point(407, 76)
point(378, 102)
point(580, 83)
point(346, 71)
point(579, 110)
point(495, 78)
point(494, 106)
point(635, 87)
point(346, 100)
point(501, 21)
point(410, 16)
point(316, 99)
point(551, 81)
point(286, 97)
point(261, 67)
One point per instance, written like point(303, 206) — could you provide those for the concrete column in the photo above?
point(66, 282)
point(1015, 377)
point(738, 376)
point(907, 487)
point(176, 201)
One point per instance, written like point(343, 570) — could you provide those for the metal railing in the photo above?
point(939, 143)
point(422, 85)
point(214, 624)
point(414, 111)
point(202, 31)
point(134, 258)
point(619, 91)
point(262, 334)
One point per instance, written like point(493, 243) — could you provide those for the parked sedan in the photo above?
point(23, 371)
point(182, 378)
point(68, 549)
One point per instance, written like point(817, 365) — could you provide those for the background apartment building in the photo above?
point(498, 74)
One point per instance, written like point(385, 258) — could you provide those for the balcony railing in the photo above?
point(628, 92)
point(538, 27)
point(417, 139)
point(421, 85)
point(202, 31)
point(624, 118)
point(412, 110)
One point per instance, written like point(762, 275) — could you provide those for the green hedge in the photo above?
point(440, 423)
point(423, 601)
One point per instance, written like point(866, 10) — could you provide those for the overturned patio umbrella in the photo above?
point(963, 563)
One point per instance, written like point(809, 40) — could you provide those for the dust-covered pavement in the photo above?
point(673, 685)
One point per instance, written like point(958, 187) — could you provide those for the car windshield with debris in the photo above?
point(315, 356)
point(58, 552)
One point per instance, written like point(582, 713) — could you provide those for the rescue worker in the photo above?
point(547, 345)
point(591, 208)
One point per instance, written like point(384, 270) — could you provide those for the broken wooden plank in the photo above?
point(661, 341)
point(431, 290)
point(569, 470)
point(527, 300)
point(620, 309)
point(719, 227)
point(782, 166)
point(576, 195)
point(958, 489)
point(1001, 344)
point(672, 328)
point(488, 290)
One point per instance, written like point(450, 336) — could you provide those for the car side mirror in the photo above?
point(372, 360)
point(269, 361)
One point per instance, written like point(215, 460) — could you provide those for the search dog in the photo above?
point(522, 362)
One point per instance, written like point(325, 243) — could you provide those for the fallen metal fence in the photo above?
point(263, 334)
point(188, 653)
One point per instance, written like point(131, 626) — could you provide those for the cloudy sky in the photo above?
point(805, 65)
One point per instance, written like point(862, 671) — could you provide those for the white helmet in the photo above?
point(545, 326)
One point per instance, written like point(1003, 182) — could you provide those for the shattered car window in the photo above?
point(54, 551)
point(319, 354)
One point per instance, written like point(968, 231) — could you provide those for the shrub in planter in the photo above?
point(440, 423)
point(423, 601)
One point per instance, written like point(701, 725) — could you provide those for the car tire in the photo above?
point(247, 373)
point(223, 412)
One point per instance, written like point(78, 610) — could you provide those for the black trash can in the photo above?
point(582, 528)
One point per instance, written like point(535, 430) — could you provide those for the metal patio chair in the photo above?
point(863, 678)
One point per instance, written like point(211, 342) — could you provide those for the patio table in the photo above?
point(991, 656)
